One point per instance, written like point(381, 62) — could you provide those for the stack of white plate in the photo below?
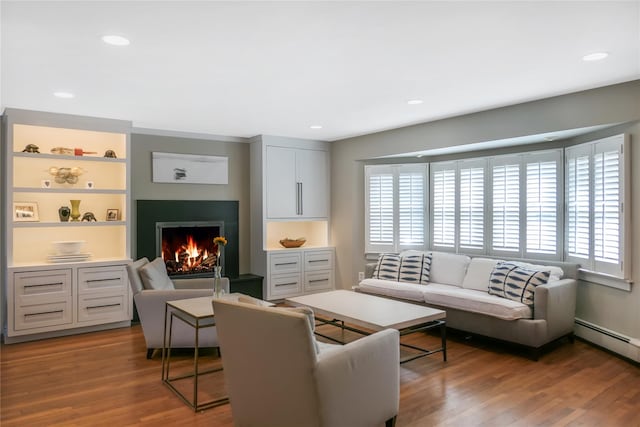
point(69, 258)
point(69, 251)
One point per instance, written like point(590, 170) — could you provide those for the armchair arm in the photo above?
point(359, 383)
point(200, 283)
point(555, 302)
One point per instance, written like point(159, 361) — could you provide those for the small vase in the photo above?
point(64, 212)
point(217, 282)
point(75, 210)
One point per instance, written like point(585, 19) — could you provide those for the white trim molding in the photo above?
point(623, 345)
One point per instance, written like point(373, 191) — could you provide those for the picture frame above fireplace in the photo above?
point(190, 168)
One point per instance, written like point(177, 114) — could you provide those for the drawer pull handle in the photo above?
point(318, 260)
point(43, 313)
point(103, 306)
point(43, 284)
point(318, 280)
point(286, 284)
point(103, 280)
point(285, 263)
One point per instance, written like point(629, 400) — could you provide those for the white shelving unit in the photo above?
point(290, 198)
point(44, 298)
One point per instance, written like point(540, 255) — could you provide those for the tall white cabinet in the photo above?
point(46, 293)
point(290, 198)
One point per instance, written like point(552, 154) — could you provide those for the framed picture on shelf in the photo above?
point(25, 212)
point(113, 214)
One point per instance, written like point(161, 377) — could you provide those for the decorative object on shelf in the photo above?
point(89, 216)
point(75, 210)
point(293, 243)
point(25, 212)
point(111, 154)
point(220, 243)
point(68, 247)
point(68, 175)
point(190, 168)
point(46, 183)
point(89, 185)
point(71, 151)
point(64, 213)
point(113, 214)
point(31, 148)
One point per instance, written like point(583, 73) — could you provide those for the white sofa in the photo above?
point(459, 285)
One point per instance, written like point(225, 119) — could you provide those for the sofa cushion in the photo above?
point(387, 267)
point(448, 269)
point(154, 275)
point(475, 301)
point(415, 268)
point(479, 273)
point(392, 288)
point(509, 280)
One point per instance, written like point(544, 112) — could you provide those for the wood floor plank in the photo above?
point(104, 379)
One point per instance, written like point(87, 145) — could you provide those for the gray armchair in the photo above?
point(150, 304)
point(277, 376)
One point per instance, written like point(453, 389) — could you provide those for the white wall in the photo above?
point(610, 308)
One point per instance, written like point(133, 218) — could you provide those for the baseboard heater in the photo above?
point(611, 340)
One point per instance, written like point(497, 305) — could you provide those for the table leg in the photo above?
point(195, 368)
point(164, 339)
point(443, 336)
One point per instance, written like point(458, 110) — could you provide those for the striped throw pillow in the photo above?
point(388, 267)
point(415, 268)
point(516, 283)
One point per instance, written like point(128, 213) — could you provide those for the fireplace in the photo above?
point(183, 214)
point(187, 248)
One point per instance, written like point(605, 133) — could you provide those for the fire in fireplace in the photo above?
point(187, 247)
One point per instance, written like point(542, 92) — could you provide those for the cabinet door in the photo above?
point(281, 186)
point(313, 173)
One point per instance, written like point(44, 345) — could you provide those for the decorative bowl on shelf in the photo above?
point(293, 243)
point(68, 247)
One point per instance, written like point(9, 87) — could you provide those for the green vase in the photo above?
point(75, 210)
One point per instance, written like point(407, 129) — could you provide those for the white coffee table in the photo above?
point(375, 313)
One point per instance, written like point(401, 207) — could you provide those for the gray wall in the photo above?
point(607, 307)
point(142, 187)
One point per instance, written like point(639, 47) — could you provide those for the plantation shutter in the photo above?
point(607, 209)
point(471, 207)
point(379, 209)
point(506, 206)
point(578, 200)
point(542, 205)
point(443, 205)
point(411, 207)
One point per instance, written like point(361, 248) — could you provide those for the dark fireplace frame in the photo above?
point(150, 212)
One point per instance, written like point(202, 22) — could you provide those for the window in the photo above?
point(595, 199)
point(443, 205)
point(543, 216)
point(471, 207)
point(395, 207)
point(506, 205)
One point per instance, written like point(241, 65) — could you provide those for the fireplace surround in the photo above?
point(186, 213)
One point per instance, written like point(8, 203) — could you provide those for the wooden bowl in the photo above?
point(290, 243)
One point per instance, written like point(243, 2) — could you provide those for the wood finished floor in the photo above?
point(104, 379)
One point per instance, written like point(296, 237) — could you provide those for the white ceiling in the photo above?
point(247, 68)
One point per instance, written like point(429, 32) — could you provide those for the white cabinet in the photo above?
point(46, 292)
point(295, 272)
point(296, 183)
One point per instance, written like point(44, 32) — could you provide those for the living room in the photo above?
point(607, 314)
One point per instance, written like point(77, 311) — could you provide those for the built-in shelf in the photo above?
point(69, 224)
point(65, 157)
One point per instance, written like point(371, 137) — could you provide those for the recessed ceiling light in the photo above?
point(65, 95)
point(596, 56)
point(315, 127)
point(415, 101)
point(116, 40)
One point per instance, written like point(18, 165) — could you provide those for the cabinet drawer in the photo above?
point(318, 260)
point(285, 284)
point(42, 287)
point(318, 280)
point(43, 315)
point(102, 279)
point(285, 263)
point(102, 308)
